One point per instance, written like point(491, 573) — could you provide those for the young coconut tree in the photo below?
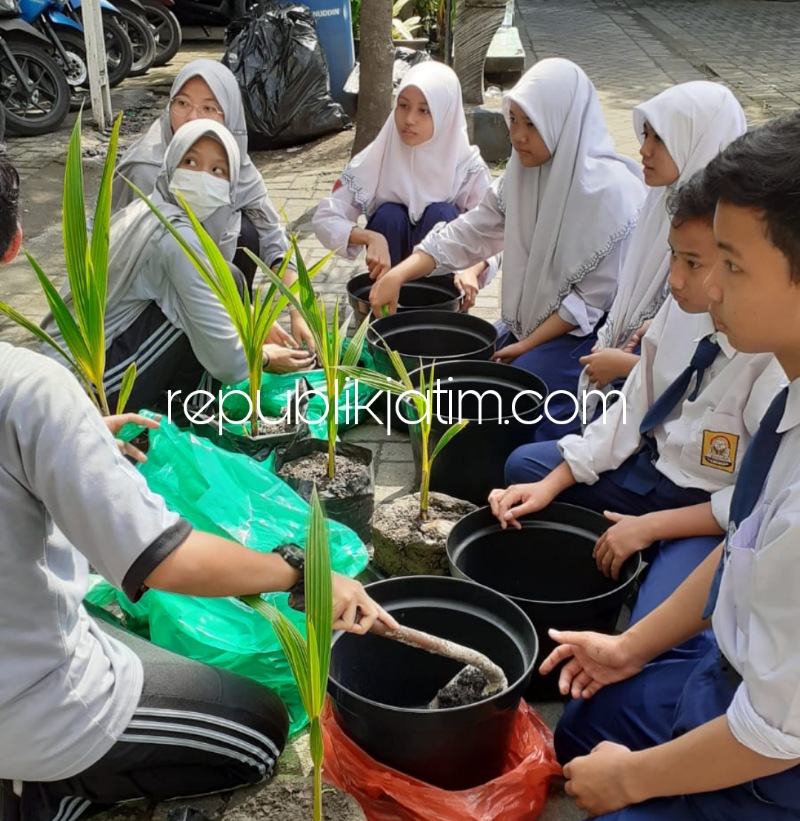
point(252, 319)
point(309, 658)
point(82, 328)
point(420, 397)
point(329, 337)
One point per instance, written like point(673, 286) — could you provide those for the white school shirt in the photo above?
point(337, 215)
point(701, 443)
point(479, 234)
point(757, 614)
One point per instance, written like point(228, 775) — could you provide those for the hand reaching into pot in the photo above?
point(518, 500)
point(353, 608)
point(628, 535)
point(281, 359)
point(117, 422)
point(467, 282)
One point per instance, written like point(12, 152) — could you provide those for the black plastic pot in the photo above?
point(437, 293)
point(548, 570)
point(423, 337)
point(380, 688)
point(353, 509)
point(502, 404)
point(256, 447)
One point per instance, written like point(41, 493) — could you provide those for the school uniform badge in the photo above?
point(719, 450)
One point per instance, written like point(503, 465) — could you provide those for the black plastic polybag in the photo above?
point(278, 62)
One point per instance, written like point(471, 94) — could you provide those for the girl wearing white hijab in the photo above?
point(205, 89)
point(681, 130)
point(418, 172)
point(160, 313)
point(562, 213)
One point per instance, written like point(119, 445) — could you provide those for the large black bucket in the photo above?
point(380, 688)
point(547, 569)
point(502, 404)
point(437, 293)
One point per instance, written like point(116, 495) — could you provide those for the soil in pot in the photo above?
point(548, 570)
point(285, 800)
point(349, 497)
point(405, 545)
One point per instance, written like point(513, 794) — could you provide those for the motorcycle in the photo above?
point(34, 93)
point(56, 21)
point(166, 28)
point(205, 13)
point(130, 16)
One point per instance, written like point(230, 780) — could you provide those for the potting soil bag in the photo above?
point(235, 497)
point(519, 794)
point(280, 67)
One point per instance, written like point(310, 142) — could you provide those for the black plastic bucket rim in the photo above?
point(442, 369)
point(362, 283)
point(381, 330)
point(453, 551)
point(445, 710)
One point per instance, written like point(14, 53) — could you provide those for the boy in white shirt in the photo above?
point(661, 465)
point(716, 737)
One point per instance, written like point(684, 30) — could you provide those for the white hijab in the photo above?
point(387, 170)
point(695, 121)
point(135, 229)
point(151, 147)
point(564, 217)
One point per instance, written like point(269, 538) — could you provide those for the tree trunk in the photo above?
point(377, 61)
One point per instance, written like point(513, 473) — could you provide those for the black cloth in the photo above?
point(197, 730)
point(248, 238)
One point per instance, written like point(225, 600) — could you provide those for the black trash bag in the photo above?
point(278, 62)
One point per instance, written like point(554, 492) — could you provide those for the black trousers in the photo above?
point(248, 238)
point(197, 730)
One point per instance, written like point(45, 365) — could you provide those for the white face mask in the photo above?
point(202, 191)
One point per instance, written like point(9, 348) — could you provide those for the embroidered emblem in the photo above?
point(719, 450)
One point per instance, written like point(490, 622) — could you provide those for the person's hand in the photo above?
point(600, 782)
point(595, 660)
point(518, 500)
point(467, 282)
point(301, 332)
point(385, 292)
point(628, 535)
point(277, 336)
point(509, 353)
point(379, 261)
point(354, 610)
point(280, 359)
point(605, 366)
point(117, 422)
point(636, 339)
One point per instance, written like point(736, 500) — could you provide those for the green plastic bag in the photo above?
point(274, 396)
point(229, 495)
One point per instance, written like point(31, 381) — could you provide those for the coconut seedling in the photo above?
point(309, 658)
point(329, 337)
point(82, 329)
point(252, 318)
point(421, 398)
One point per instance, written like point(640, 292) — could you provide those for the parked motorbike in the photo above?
point(166, 29)
point(207, 13)
point(34, 93)
point(130, 16)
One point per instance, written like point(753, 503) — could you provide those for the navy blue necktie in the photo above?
point(705, 353)
point(750, 481)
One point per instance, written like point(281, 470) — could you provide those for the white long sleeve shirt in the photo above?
point(478, 234)
point(757, 614)
point(701, 443)
point(337, 215)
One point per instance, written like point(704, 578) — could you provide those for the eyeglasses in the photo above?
point(184, 106)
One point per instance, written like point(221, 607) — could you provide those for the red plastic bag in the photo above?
point(385, 794)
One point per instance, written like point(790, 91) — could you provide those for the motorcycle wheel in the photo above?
point(142, 39)
point(118, 50)
point(42, 107)
point(167, 31)
point(76, 71)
